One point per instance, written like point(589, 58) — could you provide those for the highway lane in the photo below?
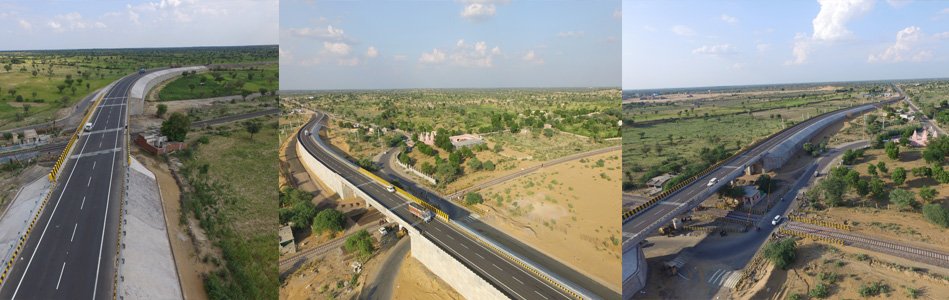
point(506, 275)
point(70, 254)
point(634, 228)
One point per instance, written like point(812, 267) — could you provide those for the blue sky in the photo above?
point(708, 43)
point(449, 44)
point(63, 24)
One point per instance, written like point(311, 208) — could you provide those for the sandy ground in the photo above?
point(416, 282)
point(564, 205)
point(813, 259)
point(189, 263)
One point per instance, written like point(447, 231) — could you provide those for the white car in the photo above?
point(391, 189)
point(712, 182)
point(383, 230)
point(88, 127)
point(777, 219)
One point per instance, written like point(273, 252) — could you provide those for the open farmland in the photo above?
point(38, 86)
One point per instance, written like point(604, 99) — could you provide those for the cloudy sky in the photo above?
point(449, 44)
point(709, 43)
point(49, 24)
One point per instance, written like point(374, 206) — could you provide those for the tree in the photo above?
point(904, 200)
point(872, 170)
point(252, 128)
point(781, 252)
point(176, 127)
point(61, 87)
point(882, 167)
point(488, 165)
point(473, 198)
point(833, 188)
point(330, 220)
point(928, 193)
point(191, 86)
point(892, 150)
point(474, 164)
point(161, 110)
point(26, 109)
point(935, 213)
point(862, 187)
point(360, 243)
point(877, 188)
point(898, 176)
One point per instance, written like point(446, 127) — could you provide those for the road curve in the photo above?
point(505, 275)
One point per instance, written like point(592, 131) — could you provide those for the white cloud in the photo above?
point(478, 11)
point(683, 30)
point(25, 25)
point(372, 52)
point(831, 22)
point(715, 50)
point(285, 54)
point(338, 48)
point(532, 57)
point(496, 50)
point(729, 19)
point(55, 25)
point(571, 34)
point(329, 32)
point(800, 50)
point(904, 49)
point(435, 57)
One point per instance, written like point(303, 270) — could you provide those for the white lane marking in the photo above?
point(94, 164)
point(68, 178)
point(479, 255)
point(452, 238)
point(83, 202)
point(90, 181)
point(108, 198)
point(73, 232)
point(496, 266)
point(466, 247)
point(542, 295)
point(477, 267)
point(61, 271)
point(518, 280)
point(436, 228)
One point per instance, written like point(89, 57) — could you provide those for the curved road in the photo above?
point(507, 276)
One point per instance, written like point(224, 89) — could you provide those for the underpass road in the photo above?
point(508, 277)
point(70, 254)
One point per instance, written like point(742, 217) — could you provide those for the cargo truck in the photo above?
point(421, 212)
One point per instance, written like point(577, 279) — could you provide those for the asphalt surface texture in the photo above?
point(634, 228)
point(505, 275)
point(70, 254)
point(461, 215)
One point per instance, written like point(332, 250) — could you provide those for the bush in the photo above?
point(176, 127)
point(795, 296)
point(936, 214)
point(328, 220)
point(873, 289)
point(360, 243)
point(488, 165)
point(781, 253)
point(913, 292)
point(904, 200)
point(473, 198)
point(820, 291)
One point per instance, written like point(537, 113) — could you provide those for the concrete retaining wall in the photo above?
point(459, 277)
point(780, 154)
point(634, 272)
point(146, 83)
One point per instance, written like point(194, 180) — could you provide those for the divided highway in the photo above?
point(70, 253)
point(507, 276)
point(636, 228)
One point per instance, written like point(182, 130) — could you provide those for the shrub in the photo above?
point(936, 214)
point(360, 243)
point(821, 290)
point(781, 253)
point(328, 220)
point(473, 198)
point(873, 289)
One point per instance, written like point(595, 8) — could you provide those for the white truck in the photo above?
point(421, 212)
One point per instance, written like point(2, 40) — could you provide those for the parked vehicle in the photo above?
point(421, 212)
point(88, 126)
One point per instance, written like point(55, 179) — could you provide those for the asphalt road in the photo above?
point(505, 275)
point(461, 215)
point(634, 228)
point(70, 254)
point(924, 119)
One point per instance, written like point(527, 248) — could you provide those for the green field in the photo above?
point(235, 197)
point(932, 99)
point(30, 80)
point(222, 82)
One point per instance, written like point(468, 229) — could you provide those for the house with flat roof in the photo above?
point(466, 140)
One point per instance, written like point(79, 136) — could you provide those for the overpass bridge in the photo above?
point(764, 155)
point(476, 267)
